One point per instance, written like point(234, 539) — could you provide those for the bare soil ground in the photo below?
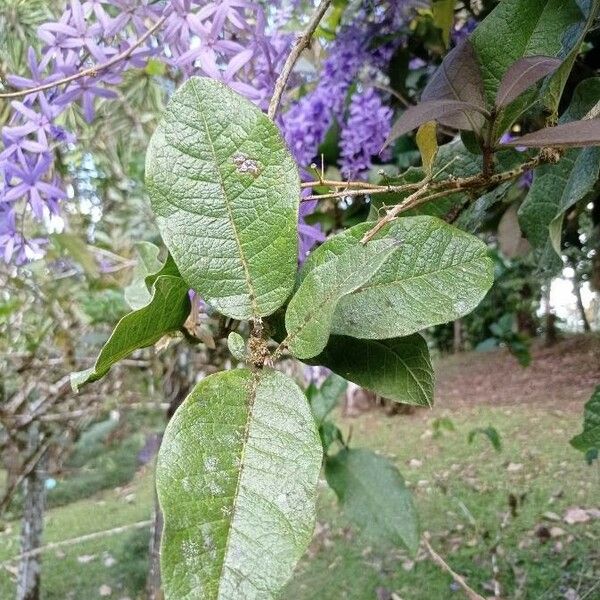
point(561, 376)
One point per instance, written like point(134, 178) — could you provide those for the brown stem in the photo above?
point(90, 71)
point(301, 43)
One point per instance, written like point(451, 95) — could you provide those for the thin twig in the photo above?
point(90, 71)
point(83, 538)
point(333, 183)
point(438, 560)
point(301, 43)
point(395, 211)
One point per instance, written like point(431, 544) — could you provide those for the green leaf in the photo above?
point(237, 346)
point(473, 217)
point(443, 17)
point(330, 433)
point(557, 188)
point(452, 160)
point(553, 90)
point(438, 274)
point(324, 399)
point(310, 311)
point(226, 191)
point(398, 369)
point(589, 438)
point(137, 293)
point(440, 424)
point(490, 433)
point(373, 495)
point(236, 478)
point(166, 312)
point(518, 28)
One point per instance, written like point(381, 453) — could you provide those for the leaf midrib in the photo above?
point(250, 288)
point(251, 398)
point(409, 369)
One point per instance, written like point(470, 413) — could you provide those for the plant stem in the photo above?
point(301, 43)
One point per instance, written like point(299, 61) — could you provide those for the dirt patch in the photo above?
point(561, 376)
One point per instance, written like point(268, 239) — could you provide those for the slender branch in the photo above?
point(438, 560)
point(77, 540)
point(422, 189)
point(301, 43)
point(90, 71)
point(333, 183)
point(30, 464)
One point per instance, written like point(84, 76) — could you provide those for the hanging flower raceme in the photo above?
point(233, 41)
point(368, 124)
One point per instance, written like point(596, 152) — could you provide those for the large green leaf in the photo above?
point(438, 274)
point(398, 369)
point(373, 495)
point(311, 310)
point(552, 91)
point(589, 438)
point(167, 311)
point(225, 190)
point(556, 188)
point(325, 398)
point(518, 28)
point(236, 478)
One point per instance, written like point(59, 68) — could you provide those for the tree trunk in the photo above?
point(577, 292)
point(551, 333)
point(457, 345)
point(32, 526)
point(153, 585)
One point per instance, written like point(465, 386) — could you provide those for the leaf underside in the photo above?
point(236, 479)
point(373, 495)
point(398, 369)
point(226, 192)
point(438, 274)
point(310, 312)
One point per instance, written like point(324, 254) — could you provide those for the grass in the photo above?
point(463, 493)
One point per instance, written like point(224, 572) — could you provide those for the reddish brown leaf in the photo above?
point(575, 134)
point(458, 78)
point(434, 110)
point(522, 74)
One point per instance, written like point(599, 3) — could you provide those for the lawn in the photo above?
point(498, 518)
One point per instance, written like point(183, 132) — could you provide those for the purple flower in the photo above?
point(364, 133)
point(25, 180)
point(462, 30)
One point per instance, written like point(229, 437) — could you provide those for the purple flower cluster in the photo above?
point(239, 42)
point(307, 121)
point(226, 40)
point(368, 125)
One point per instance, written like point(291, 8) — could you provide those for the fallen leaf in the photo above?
point(576, 515)
point(514, 467)
point(109, 561)
point(551, 516)
point(408, 565)
point(85, 558)
point(556, 532)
